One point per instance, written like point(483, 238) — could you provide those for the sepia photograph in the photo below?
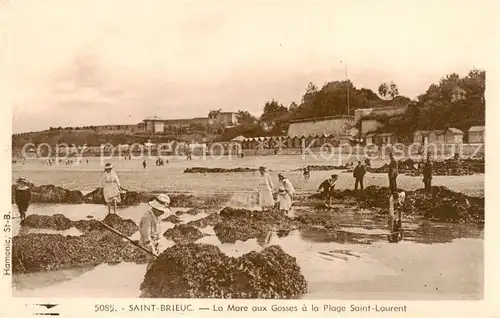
point(328, 150)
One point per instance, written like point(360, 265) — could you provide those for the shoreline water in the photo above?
point(385, 269)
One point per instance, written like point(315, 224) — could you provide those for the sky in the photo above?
point(88, 62)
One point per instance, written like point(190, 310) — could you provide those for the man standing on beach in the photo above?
point(149, 226)
point(393, 173)
point(427, 172)
point(359, 174)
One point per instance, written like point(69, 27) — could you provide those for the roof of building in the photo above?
point(423, 132)
point(439, 131)
point(315, 119)
point(239, 138)
point(153, 118)
point(476, 128)
point(389, 110)
point(320, 126)
point(455, 131)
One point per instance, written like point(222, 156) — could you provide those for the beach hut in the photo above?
point(370, 139)
point(476, 134)
point(421, 137)
point(436, 136)
point(388, 138)
point(453, 136)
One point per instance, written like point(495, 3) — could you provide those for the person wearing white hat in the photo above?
point(110, 185)
point(149, 226)
point(22, 196)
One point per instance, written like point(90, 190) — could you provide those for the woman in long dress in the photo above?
point(111, 187)
point(287, 198)
point(266, 200)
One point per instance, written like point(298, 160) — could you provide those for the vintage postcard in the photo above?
point(216, 157)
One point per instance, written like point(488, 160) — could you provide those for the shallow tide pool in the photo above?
point(435, 261)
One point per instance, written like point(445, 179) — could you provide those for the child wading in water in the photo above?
point(283, 202)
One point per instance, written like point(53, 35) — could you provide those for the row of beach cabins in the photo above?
point(448, 136)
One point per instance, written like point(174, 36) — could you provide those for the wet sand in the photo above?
point(171, 177)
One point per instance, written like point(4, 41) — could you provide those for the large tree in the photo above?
point(388, 90)
point(245, 118)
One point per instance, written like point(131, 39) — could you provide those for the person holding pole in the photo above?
point(149, 226)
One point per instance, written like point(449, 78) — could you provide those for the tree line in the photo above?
point(432, 110)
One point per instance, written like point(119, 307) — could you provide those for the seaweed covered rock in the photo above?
point(52, 194)
point(88, 225)
point(441, 204)
point(54, 222)
point(241, 224)
point(127, 197)
point(324, 218)
point(172, 219)
point(444, 204)
point(325, 167)
point(182, 233)
point(127, 227)
point(193, 211)
point(217, 170)
point(210, 220)
point(184, 200)
point(448, 167)
point(203, 271)
point(60, 222)
point(404, 166)
point(44, 252)
point(191, 201)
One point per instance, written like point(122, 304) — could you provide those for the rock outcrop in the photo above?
point(52, 194)
point(183, 233)
point(203, 271)
point(441, 204)
point(36, 252)
point(46, 252)
point(209, 220)
point(241, 224)
point(448, 167)
point(218, 170)
point(325, 167)
point(59, 222)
